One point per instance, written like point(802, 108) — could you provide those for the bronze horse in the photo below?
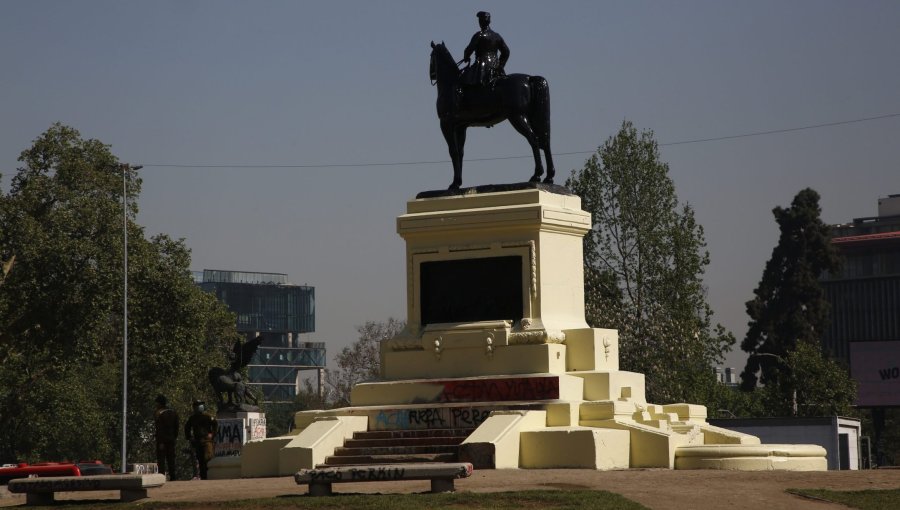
point(522, 99)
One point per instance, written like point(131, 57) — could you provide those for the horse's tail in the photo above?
point(540, 109)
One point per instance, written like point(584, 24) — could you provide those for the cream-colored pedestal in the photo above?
point(542, 232)
point(496, 343)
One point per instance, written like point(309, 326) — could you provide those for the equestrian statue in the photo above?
point(482, 94)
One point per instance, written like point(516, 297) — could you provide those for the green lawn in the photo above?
point(537, 500)
point(864, 500)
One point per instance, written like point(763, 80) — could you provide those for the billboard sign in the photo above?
point(876, 368)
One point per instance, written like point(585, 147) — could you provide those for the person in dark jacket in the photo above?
point(165, 421)
point(200, 430)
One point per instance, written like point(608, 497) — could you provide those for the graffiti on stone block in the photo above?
point(325, 476)
point(430, 418)
point(144, 468)
point(380, 473)
point(427, 418)
point(62, 485)
point(392, 420)
point(500, 390)
point(469, 417)
point(229, 438)
point(257, 428)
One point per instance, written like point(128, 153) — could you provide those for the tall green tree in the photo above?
point(61, 314)
point(644, 261)
point(789, 315)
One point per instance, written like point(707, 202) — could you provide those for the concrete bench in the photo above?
point(441, 475)
point(40, 491)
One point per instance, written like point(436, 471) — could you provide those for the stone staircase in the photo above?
point(399, 447)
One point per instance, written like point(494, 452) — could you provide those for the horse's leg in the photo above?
point(551, 171)
point(538, 109)
point(460, 146)
point(450, 135)
point(521, 124)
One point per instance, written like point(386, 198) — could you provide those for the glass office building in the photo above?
point(865, 295)
point(266, 304)
point(865, 312)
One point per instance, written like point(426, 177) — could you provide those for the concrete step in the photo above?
point(390, 459)
point(404, 441)
point(394, 450)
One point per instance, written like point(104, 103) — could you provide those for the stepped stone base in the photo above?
point(496, 345)
point(477, 420)
point(575, 447)
point(759, 457)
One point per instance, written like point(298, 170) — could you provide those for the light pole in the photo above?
point(125, 168)
point(783, 362)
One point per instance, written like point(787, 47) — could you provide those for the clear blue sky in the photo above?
point(303, 83)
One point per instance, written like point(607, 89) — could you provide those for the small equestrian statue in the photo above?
point(230, 381)
point(482, 94)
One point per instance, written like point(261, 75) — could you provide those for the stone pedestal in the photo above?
point(235, 430)
point(495, 286)
point(497, 354)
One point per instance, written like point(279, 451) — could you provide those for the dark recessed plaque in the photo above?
point(470, 290)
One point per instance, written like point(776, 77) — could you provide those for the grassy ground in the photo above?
point(864, 500)
point(536, 500)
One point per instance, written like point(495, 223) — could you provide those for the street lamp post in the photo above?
point(783, 362)
point(125, 168)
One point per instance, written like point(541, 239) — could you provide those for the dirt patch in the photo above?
point(659, 489)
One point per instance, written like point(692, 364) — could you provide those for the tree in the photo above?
point(360, 362)
point(280, 415)
point(789, 314)
point(61, 318)
point(644, 262)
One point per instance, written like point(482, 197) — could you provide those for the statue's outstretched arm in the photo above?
point(467, 54)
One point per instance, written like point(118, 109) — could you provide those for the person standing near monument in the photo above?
point(486, 44)
point(200, 430)
point(165, 421)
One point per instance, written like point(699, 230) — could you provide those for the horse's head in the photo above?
point(442, 64)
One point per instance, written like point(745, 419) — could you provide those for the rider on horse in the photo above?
point(484, 95)
point(486, 44)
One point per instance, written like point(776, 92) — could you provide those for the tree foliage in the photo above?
point(61, 313)
point(789, 314)
point(644, 260)
point(360, 362)
point(280, 415)
point(824, 388)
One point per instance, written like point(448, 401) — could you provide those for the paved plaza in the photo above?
point(659, 489)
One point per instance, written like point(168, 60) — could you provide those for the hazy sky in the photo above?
point(339, 82)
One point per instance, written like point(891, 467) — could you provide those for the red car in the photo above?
point(41, 469)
